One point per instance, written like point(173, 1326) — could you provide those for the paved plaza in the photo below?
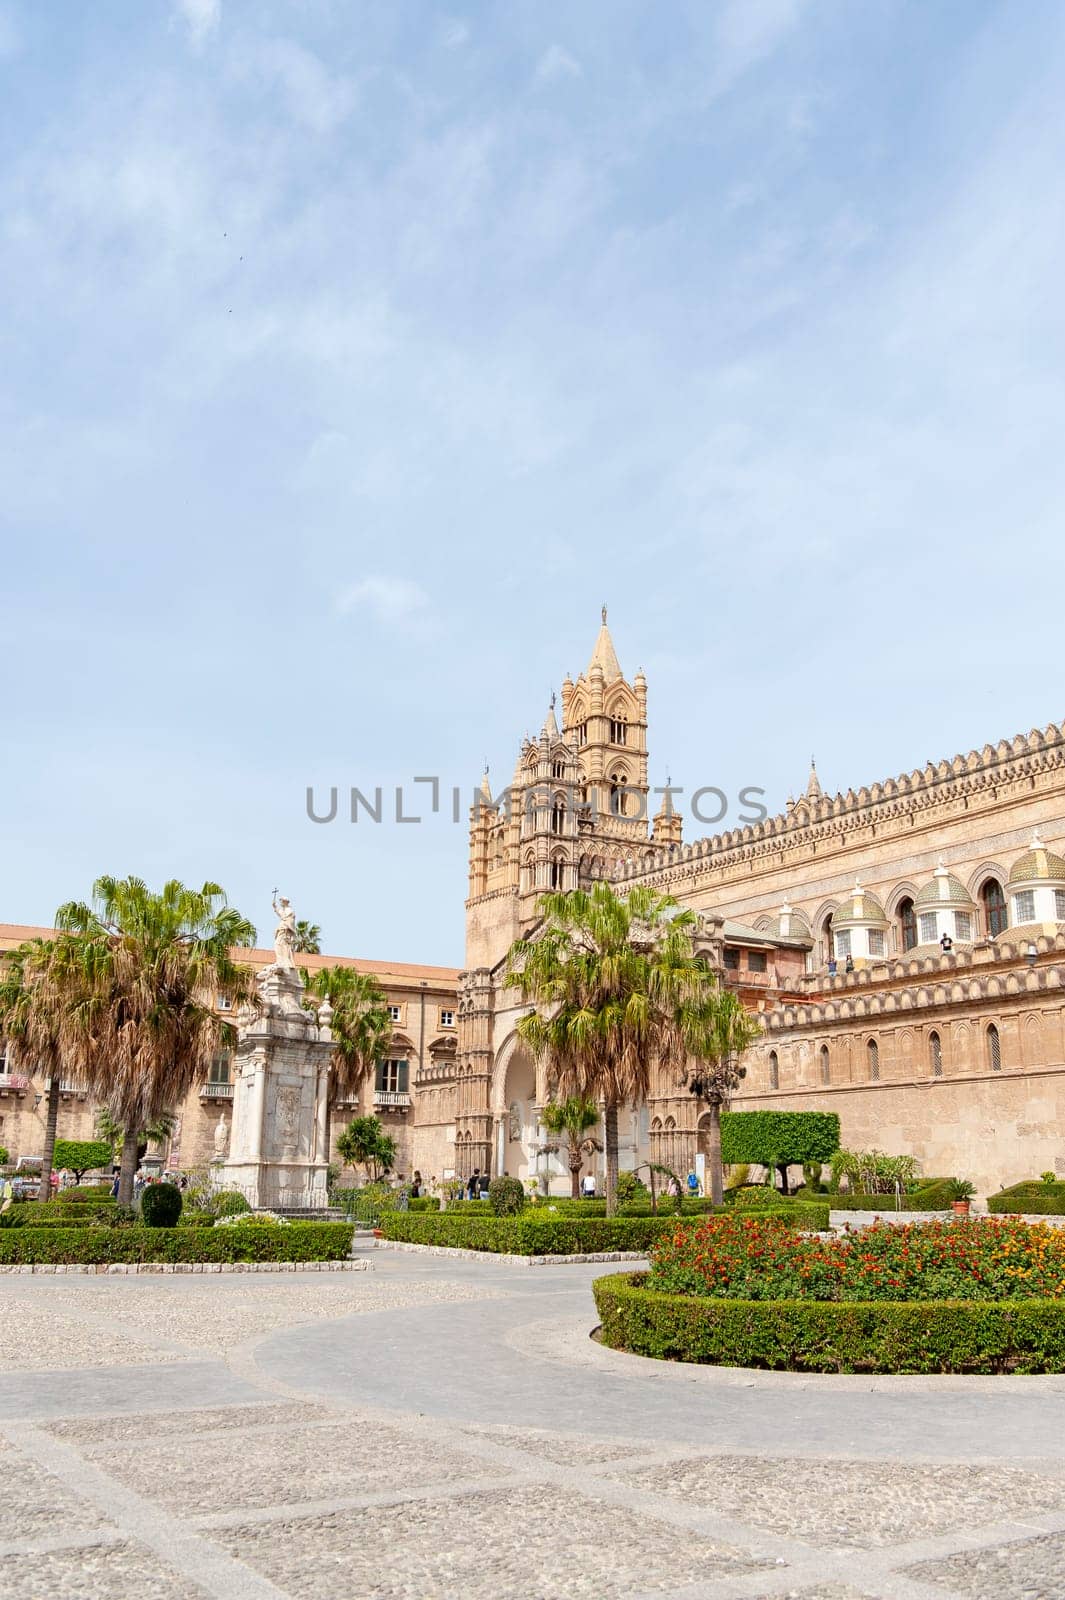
point(436, 1428)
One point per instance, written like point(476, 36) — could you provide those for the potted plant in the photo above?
point(961, 1192)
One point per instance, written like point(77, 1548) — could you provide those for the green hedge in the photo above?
point(535, 1233)
point(776, 1138)
point(299, 1241)
point(424, 1202)
point(1024, 1336)
point(936, 1197)
point(1039, 1203)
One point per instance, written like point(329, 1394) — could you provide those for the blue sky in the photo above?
point(352, 354)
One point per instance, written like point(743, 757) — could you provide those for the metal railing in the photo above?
point(216, 1091)
point(391, 1097)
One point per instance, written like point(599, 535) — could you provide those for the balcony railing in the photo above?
point(216, 1091)
point(66, 1086)
point(13, 1080)
point(391, 1097)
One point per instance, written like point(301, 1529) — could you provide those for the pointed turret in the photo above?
point(549, 731)
point(604, 655)
point(813, 786)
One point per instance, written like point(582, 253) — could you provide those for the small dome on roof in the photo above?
point(943, 889)
point(859, 906)
point(1039, 863)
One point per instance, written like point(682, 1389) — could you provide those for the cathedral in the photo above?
point(903, 945)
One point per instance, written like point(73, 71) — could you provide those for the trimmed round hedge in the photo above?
point(938, 1336)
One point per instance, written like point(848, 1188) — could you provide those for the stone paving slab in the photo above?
point(857, 1503)
point(537, 1543)
point(186, 1424)
point(1032, 1569)
point(33, 1504)
point(105, 1573)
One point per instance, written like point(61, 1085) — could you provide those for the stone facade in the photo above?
point(903, 944)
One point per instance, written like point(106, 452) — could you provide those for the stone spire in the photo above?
point(813, 786)
point(550, 727)
point(604, 655)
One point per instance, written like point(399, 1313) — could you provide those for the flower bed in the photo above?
point(539, 1232)
point(926, 1297)
point(299, 1241)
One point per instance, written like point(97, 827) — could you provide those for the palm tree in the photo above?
point(361, 1026)
point(159, 1131)
point(140, 1022)
point(607, 976)
point(308, 939)
point(31, 1019)
point(573, 1117)
point(715, 1028)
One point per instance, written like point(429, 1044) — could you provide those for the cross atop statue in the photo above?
point(604, 616)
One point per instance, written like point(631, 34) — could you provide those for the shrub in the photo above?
point(161, 1205)
point(300, 1241)
point(1037, 1204)
point(630, 1188)
point(12, 1217)
point(753, 1195)
point(83, 1194)
point(933, 1197)
point(506, 1196)
point(230, 1203)
point(425, 1202)
point(778, 1138)
point(1024, 1336)
point(540, 1232)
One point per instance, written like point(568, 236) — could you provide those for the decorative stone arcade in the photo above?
point(278, 1153)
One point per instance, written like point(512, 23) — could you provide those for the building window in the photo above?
point(218, 1072)
point(558, 817)
point(1059, 905)
point(558, 874)
point(619, 730)
point(447, 1019)
point(581, 731)
point(224, 1003)
point(392, 1077)
point(929, 927)
point(756, 961)
point(876, 941)
point(774, 1070)
point(843, 942)
point(1024, 905)
point(995, 918)
point(907, 924)
point(619, 800)
point(732, 958)
point(994, 1049)
point(826, 1070)
point(394, 1013)
point(963, 926)
point(872, 1054)
point(558, 769)
point(935, 1053)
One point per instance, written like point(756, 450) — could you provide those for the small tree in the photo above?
point(779, 1138)
point(574, 1117)
point(364, 1143)
point(716, 1029)
point(80, 1156)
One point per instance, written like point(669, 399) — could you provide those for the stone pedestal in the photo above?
point(277, 1155)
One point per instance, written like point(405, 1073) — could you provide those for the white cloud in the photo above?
point(202, 17)
point(745, 32)
point(309, 90)
point(455, 33)
point(556, 63)
point(391, 600)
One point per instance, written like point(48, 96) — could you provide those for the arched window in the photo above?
point(828, 944)
point(558, 816)
point(907, 924)
point(996, 919)
point(774, 1070)
point(872, 1056)
point(826, 1070)
point(994, 1049)
point(619, 730)
point(558, 769)
point(619, 800)
point(935, 1054)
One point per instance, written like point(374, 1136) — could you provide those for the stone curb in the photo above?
point(136, 1268)
point(511, 1261)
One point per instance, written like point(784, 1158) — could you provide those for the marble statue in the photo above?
point(221, 1137)
point(285, 934)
